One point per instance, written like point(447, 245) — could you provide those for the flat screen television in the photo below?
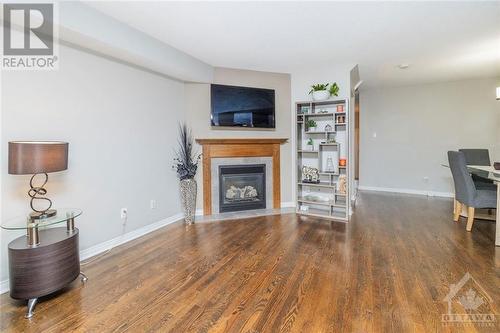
point(242, 106)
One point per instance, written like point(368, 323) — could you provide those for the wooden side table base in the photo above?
point(40, 270)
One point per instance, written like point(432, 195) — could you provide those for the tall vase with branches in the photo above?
point(186, 164)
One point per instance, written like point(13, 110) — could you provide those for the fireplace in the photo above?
point(239, 152)
point(242, 187)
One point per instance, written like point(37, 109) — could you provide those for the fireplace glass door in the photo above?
point(242, 187)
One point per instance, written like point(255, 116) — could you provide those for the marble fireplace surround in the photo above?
point(240, 151)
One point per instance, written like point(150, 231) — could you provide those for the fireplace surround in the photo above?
point(216, 149)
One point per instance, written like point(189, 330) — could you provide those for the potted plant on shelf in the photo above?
point(186, 165)
point(320, 91)
point(311, 125)
point(310, 144)
point(334, 89)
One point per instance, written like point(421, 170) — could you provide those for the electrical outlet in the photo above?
point(153, 204)
point(123, 213)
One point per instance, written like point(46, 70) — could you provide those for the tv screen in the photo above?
point(242, 106)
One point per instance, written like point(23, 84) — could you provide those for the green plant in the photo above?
point(334, 89)
point(186, 161)
point(319, 87)
point(310, 142)
point(311, 123)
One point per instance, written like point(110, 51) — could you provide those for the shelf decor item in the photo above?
point(342, 188)
point(496, 165)
point(329, 165)
point(304, 110)
point(38, 158)
point(310, 175)
point(311, 125)
point(340, 108)
point(310, 144)
point(334, 89)
point(342, 162)
point(328, 128)
point(320, 91)
point(186, 164)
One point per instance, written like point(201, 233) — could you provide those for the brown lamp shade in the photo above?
point(30, 157)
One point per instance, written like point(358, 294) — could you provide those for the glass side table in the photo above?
point(46, 259)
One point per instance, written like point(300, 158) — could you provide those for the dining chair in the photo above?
point(479, 157)
point(465, 190)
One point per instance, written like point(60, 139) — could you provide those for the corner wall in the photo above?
point(198, 118)
point(416, 125)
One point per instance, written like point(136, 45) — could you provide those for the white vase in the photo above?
point(321, 95)
point(312, 129)
point(188, 199)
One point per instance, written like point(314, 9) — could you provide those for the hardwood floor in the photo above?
point(386, 271)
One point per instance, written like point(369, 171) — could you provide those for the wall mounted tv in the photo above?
point(242, 106)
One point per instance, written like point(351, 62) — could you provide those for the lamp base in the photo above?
point(43, 215)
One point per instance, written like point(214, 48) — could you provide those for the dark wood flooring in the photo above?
point(386, 271)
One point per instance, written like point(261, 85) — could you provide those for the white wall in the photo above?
point(417, 125)
point(198, 117)
point(121, 124)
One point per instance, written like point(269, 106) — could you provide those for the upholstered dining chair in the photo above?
point(479, 157)
point(465, 190)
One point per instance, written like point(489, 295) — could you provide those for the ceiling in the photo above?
point(441, 41)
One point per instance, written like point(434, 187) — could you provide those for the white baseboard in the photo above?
point(407, 191)
point(99, 248)
point(4, 286)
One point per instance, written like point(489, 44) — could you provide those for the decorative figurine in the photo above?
point(329, 165)
point(342, 184)
point(310, 175)
point(328, 128)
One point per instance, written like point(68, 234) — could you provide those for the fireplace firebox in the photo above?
point(242, 187)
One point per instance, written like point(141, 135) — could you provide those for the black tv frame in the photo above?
point(272, 126)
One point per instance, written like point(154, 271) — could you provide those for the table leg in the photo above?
point(70, 222)
point(33, 236)
point(84, 277)
point(497, 227)
point(31, 307)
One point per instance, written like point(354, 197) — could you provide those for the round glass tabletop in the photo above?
point(23, 222)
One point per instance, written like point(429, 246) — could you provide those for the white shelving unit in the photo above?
point(330, 140)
